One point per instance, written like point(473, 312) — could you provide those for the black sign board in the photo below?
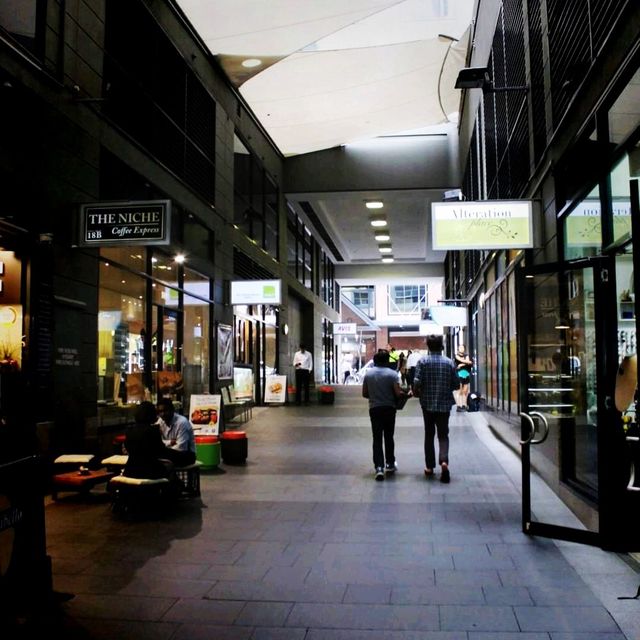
point(125, 223)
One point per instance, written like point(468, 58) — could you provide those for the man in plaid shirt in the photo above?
point(434, 382)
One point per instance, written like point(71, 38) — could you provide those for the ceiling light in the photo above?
point(378, 222)
point(387, 259)
point(250, 63)
point(382, 236)
point(384, 248)
point(374, 204)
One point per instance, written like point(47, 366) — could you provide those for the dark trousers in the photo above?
point(435, 422)
point(303, 376)
point(383, 424)
point(180, 458)
point(411, 372)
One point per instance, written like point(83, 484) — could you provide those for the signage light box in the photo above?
point(345, 329)
point(115, 224)
point(488, 224)
point(256, 292)
point(449, 316)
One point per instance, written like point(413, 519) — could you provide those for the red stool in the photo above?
point(235, 447)
point(118, 444)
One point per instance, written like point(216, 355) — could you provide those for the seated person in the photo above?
point(178, 434)
point(144, 446)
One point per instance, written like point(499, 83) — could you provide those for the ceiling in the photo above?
point(332, 73)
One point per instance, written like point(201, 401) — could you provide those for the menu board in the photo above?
point(204, 413)
point(275, 389)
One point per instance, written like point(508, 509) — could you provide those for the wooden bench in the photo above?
point(135, 496)
point(189, 475)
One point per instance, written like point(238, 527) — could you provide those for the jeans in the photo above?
point(435, 422)
point(383, 424)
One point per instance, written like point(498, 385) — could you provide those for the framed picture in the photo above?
point(225, 352)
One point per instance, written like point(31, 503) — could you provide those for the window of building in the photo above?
point(624, 115)
point(363, 298)
point(256, 197)
point(407, 299)
point(21, 20)
point(176, 126)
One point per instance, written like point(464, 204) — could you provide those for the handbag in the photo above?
point(401, 401)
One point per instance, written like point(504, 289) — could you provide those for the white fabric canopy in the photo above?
point(332, 72)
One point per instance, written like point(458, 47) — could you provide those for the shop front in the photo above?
point(155, 310)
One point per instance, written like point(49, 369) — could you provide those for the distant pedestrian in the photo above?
point(381, 387)
point(303, 365)
point(463, 366)
point(434, 383)
point(346, 366)
point(413, 357)
point(394, 356)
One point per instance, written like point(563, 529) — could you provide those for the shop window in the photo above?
point(11, 330)
point(197, 327)
point(621, 200)
point(121, 334)
point(164, 269)
point(583, 228)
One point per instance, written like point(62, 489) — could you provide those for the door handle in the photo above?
point(529, 417)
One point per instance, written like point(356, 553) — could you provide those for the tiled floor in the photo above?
point(302, 543)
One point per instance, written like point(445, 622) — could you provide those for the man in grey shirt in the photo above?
point(381, 387)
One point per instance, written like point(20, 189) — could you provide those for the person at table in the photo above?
point(148, 457)
point(177, 434)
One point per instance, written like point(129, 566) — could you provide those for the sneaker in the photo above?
point(379, 473)
point(390, 468)
point(445, 476)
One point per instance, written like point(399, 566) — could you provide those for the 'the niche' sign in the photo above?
point(119, 223)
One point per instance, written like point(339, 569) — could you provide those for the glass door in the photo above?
point(561, 369)
point(166, 352)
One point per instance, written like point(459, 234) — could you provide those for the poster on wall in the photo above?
point(205, 413)
point(225, 352)
point(169, 383)
point(275, 389)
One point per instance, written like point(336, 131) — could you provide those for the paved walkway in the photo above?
point(303, 544)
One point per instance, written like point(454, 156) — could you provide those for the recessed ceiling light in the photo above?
point(387, 259)
point(374, 204)
point(250, 63)
point(384, 248)
point(378, 222)
point(382, 236)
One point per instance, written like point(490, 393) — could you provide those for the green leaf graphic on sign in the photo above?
point(269, 291)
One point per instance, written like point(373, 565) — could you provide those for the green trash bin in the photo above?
point(208, 451)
